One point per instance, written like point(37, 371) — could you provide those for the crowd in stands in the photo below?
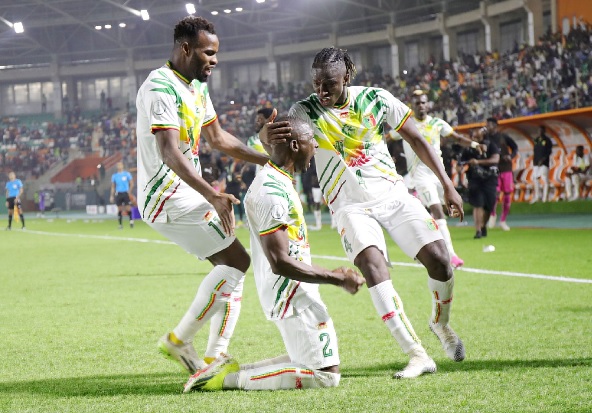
point(552, 75)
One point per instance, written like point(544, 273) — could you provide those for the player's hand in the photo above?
point(454, 203)
point(223, 204)
point(272, 133)
point(352, 281)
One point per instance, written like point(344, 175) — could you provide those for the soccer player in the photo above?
point(428, 187)
point(263, 116)
point(286, 281)
point(174, 108)
point(14, 191)
point(122, 184)
point(363, 190)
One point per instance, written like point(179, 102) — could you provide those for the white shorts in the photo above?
point(403, 217)
point(408, 181)
point(199, 232)
point(429, 192)
point(317, 195)
point(310, 337)
point(541, 171)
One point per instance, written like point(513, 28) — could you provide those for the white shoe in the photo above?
point(184, 354)
point(454, 347)
point(491, 221)
point(419, 363)
point(504, 226)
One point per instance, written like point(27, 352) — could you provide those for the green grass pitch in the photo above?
point(82, 305)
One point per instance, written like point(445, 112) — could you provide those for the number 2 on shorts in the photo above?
point(327, 352)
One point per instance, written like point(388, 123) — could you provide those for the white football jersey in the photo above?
point(166, 100)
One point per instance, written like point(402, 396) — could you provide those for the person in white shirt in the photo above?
point(366, 195)
point(174, 109)
point(287, 282)
point(577, 173)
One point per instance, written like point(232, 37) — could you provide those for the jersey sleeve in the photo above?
point(211, 115)
point(445, 128)
point(396, 111)
point(160, 101)
point(273, 214)
point(298, 111)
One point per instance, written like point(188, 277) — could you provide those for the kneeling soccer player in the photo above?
point(286, 281)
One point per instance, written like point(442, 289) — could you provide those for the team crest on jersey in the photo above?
point(432, 225)
point(369, 120)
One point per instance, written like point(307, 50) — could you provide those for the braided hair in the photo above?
point(332, 55)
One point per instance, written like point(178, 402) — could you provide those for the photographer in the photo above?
point(482, 177)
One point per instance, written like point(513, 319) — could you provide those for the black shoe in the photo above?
point(478, 235)
point(484, 231)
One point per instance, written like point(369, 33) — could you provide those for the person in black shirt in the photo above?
point(505, 181)
point(482, 177)
point(543, 147)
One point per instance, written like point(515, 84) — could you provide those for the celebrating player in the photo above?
point(361, 186)
point(287, 282)
point(174, 106)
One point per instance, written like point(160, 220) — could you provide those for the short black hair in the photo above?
point(266, 112)
point(188, 28)
point(492, 120)
point(331, 55)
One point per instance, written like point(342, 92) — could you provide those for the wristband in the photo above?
point(474, 145)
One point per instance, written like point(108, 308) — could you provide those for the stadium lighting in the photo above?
point(190, 8)
point(239, 9)
point(215, 13)
point(107, 26)
point(98, 27)
point(227, 11)
point(18, 27)
point(260, 1)
point(122, 25)
point(144, 14)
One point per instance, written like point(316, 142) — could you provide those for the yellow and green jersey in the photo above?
point(272, 204)
point(353, 163)
point(166, 100)
point(432, 129)
point(255, 143)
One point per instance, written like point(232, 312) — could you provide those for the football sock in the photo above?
point(223, 323)
point(22, 220)
point(212, 295)
point(281, 376)
point(390, 309)
point(317, 215)
point(441, 300)
point(443, 226)
point(267, 362)
point(507, 202)
point(9, 221)
point(119, 217)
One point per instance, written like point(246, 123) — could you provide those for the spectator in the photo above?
point(577, 173)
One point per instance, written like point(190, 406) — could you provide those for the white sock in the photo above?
point(281, 376)
point(317, 215)
point(441, 300)
point(443, 226)
point(390, 309)
point(267, 362)
point(212, 295)
point(223, 323)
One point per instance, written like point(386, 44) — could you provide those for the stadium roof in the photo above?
point(67, 30)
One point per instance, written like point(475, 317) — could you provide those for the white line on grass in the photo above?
point(330, 257)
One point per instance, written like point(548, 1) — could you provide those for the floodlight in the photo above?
point(107, 26)
point(227, 11)
point(144, 14)
point(239, 9)
point(98, 27)
point(18, 27)
point(122, 25)
point(190, 8)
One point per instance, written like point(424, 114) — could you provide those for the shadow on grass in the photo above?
point(471, 365)
point(98, 386)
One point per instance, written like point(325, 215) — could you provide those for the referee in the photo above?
point(14, 190)
point(121, 186)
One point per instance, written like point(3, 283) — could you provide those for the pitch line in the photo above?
point(330, 257)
